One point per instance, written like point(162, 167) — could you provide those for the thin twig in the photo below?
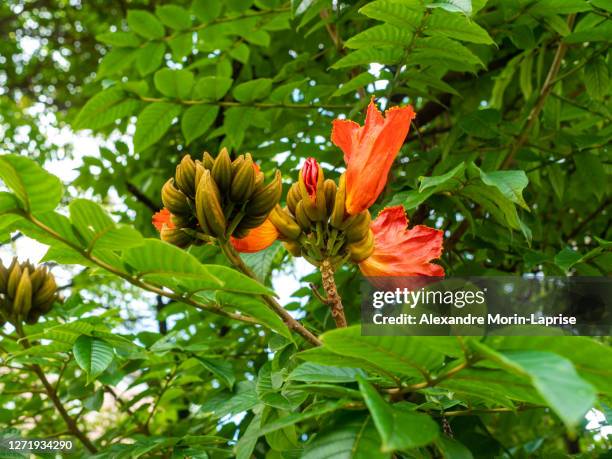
point(544, 92)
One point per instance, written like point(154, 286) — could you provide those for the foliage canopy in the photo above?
point(508, 155)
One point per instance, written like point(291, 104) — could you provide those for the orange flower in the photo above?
point(258, 238)
point(161, 218)
point(402, 252)
point(369, 152)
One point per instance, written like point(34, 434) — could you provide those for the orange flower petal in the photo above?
point(258, 238)
point(161, 218)
point(399, 251)
point(369, 152)
point(343, 133)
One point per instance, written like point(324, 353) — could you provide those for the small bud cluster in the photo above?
point(315, 224)
point(26, 292)
point(217, 197)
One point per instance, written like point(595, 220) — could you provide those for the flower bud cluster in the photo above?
point(217, 197)
point(315, 224)
point(26, 292)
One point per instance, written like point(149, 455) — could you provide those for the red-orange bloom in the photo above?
point(161, 218)
point(399, 251)
point(369, 152)
point(310, 175)
point(258, 238)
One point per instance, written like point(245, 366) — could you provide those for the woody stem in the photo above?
point(52, 394)
point(289, 321)
point(333, 298)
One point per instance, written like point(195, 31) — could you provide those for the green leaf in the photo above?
point(145, 24)
point(454, 6)
point(221, 369)
point(8, 201)
point(153, 122)
point(261, 262)
point(181, 46)
point(456, 26)
point(406, 14)
point(158, 257)
point(312, 372)
point(197, 120)
point(596, 78)
point(206, 10)
point(380, 35)
point(354, 437)
point(99, 230)
point(116, 61)
point(36, 189)
point(399, 428)
point(387, 55)
point(510, 183)
point(174, 16)
point(174, 83)
point(567, 258)
point(554, 378)
point(150, 57)
point(354, 84)
point(236, 120)
point(255, 308)
point(453, 449)
point(445, 48)
point(592, 173)
point(397, 354)
point(93, 355)
point(438, 181)
point(119, 39)
point(252, 90)
point(481, 123)
point(105, 108)
point(550, 7)
point(313, 411)
point(211, 88)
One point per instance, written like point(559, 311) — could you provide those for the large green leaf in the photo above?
point(456, 26)
point(99, 230)
point(405, 14)
point(253, 90)
point(353, 437)
point(255, 308)
point(196, 120)
point(211, 87)
point(174, 83)
point(399, 428)
point(145, 24)
point(553, 376)
point(312, 372)
point(36, 189)
point(380, 35)
point(93, 355)
point(592, 359)
point(364, 56)
point(153, 122)
point(105, 108)
point(510, 183)
point(397, 354)
point(174, 16)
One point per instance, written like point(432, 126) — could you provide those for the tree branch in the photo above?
point(52, 394)
point(291, 323)
point(544, 92)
